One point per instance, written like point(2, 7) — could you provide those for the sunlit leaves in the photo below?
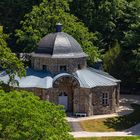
point(42, 20)
point(9, 62)
point(24, 116)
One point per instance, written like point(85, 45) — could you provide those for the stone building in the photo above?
point(60, 75)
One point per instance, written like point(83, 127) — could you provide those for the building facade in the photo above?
point(60, 75)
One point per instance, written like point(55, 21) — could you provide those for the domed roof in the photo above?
point(60, 44)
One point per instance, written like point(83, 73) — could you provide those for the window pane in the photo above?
point(63, 68)
point(44, 67)
point(79, 66)
point(105, 98)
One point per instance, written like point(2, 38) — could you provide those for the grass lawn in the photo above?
point(110, 138)
point(113, 124)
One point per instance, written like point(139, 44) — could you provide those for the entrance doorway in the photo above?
point(63, 100)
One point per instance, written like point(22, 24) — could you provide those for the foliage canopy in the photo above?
point(24, 116)
point(8, 61)
point(114, 20)
point(107, 21)
point(42, 20)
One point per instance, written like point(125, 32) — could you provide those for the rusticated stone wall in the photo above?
point(82, 99)
point(113, 99)
point(53, 64)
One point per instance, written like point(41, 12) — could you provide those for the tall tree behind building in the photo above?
point(114, 20)
point(42, 20)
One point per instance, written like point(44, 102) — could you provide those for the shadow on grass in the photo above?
point(126, 121)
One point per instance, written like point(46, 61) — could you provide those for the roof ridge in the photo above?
point(65, 34)
point(54, 43)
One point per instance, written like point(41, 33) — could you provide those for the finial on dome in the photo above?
point(58, 27)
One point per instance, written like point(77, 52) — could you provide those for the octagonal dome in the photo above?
point(59, 45)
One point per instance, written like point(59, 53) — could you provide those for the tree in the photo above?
point(114, 20)
point(135, 65)
point(8, 61)
point(12, 12)
point(110, 56)
point(24, 116)
point(42, 20)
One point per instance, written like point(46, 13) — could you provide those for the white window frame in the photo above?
point(105, 99)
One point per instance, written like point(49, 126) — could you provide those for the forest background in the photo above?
point(108, 30)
